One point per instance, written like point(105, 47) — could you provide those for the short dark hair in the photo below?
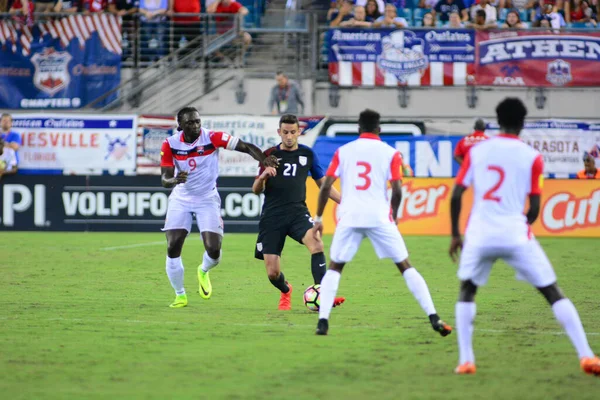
point(511, 113)
point(481, 13)
point(289, 119)
point(479, 125)
point(280, 72)
point(182, 112)
point(368, 121)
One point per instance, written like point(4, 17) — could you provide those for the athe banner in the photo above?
point(60, 64)
point(76, 143)
point(387, 57)
point(258, 130)
point(561, 142)
point(569, 208)
point(525, 58)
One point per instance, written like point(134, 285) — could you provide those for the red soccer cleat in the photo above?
point(591, 365)
point(285, 301)
point(338, 301)
point(467, 368)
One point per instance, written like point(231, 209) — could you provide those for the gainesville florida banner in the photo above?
point(60, 64)
point(258, 130)
point(386, 57)
point(569, 208)
point(76, 143)
point(561, 142)
point(524, 58)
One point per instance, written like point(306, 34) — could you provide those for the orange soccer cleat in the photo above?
point(467, 368)
point(591, 365)
point(338, 301)
point(285, 301)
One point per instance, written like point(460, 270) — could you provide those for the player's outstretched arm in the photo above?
point(396, 197)
point(257, 154)
point(455, 206)
point(333, 194)
point(324, 195)
point(534, 208)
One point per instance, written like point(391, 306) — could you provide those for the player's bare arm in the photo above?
point(257, 154)
point(259, 183)
point(324, 195)
point(333, 194)
point(455, 206)
point(534, 208)
point(396, 197)
point(458, 159)
point(168, 178)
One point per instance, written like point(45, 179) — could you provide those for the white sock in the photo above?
point(209, 263)
point(465, 315)
point(418, 287)
point(329, 288)
point(567, 315)
point(175, 274)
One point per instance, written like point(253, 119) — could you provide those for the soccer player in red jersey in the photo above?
point(465, 144)
point(504, 171)
point(190, 165)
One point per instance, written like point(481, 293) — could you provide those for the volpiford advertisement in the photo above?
point(569, 208)
point(105, 203)
point(76, 143)
point(59, 63)
point(526, 58)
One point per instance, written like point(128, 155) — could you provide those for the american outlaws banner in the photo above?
point(60, 64)
point(523, 58)
point(384, 57)
point(76, 143)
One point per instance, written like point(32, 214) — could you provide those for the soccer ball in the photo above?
point(312, 297)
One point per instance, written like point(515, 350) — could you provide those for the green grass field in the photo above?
point(81, 319)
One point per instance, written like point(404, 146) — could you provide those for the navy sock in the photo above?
point(318, 267)
point(280, 283)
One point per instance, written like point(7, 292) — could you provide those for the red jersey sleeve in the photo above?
point(223, 140)
point(166, 156)
point(396, 167)
point(334, 165)
point(459, 151)
point(463, 177)
point(537, 177)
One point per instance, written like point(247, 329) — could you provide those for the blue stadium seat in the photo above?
point(418, 15)
point(524, 15)
point(502, 14)
point(580, 25)
point(407, 14)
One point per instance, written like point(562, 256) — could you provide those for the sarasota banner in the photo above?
point(388, 57)
point(545, 59)
point(62, 63)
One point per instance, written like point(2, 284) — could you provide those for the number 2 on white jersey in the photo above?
point(491, 194)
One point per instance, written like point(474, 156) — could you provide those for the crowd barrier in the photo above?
point(139, 204)
point(459, 57)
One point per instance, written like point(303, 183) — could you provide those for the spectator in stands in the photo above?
point(69, 6)
point(8, 160)
point(479, 22)
point(187, 7)
point(97, 6)
point(491, 14)
point(516, 4)
point(124, 8)
point(359, 20)
point(380, 4)
point(554, 19)
point(186, 28)
point(10, 138)
point(455, 22)
point(444, 8)
point(344, 13)
point(286, 96)
point(428, 4)
point(23, 11)
point(224, 23)
point(372, 10)
point(153, 29)
point(390, 19)
point(43, 6)
point(428, 20)
point(513, 21)
point(577, 11)
point(589, 171)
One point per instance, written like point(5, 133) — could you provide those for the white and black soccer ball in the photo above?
point(312, 297)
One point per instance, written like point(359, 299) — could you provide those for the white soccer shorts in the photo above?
point(386, 241)
point(207, 211)
point(529, 261)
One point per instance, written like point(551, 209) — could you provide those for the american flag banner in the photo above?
point(388, 57)
point(60, 63)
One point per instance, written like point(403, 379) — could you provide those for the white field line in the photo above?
point(281, 325)
point(132, 246)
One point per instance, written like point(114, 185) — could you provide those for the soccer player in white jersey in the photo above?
point(503, 172)
point(190, 165)
point(365, 166)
